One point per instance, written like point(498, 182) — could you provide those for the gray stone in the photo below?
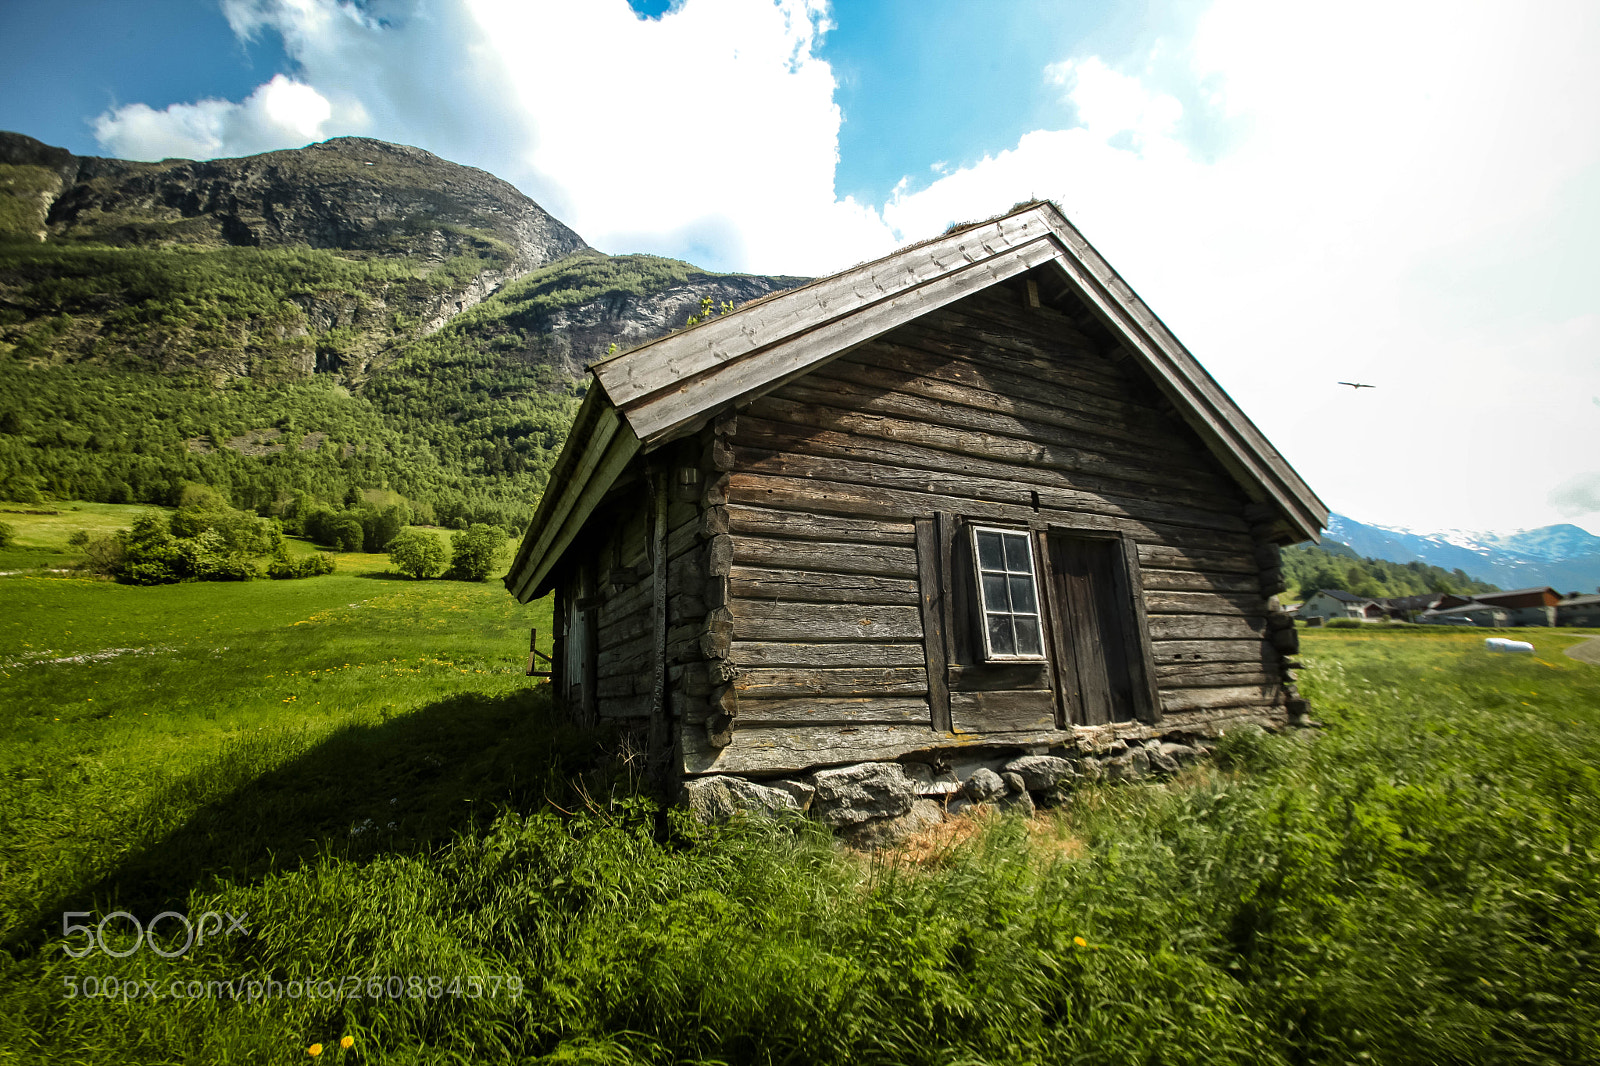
point(1014, 783)
point(1021, 800)
point(1160, 761)
point(716, 799)
point(1181, 752)
point(1130, 766)
point(1040, 772)
point(982, 785)
point(887, 832)
point(930, 782)
point(850, 795)
point(802, 791)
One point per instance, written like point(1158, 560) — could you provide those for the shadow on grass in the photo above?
point(406, 785)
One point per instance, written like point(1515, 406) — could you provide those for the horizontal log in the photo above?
point(1189, 699)
point(820, 622)
point(1171, 557)
point(1206, 627)
point(1035, 402)
point(814, 711)
point(761, 653)
point(1214, 675)
point(789, 749)
point(803, 525)
point(778, 682)
point(624, 685)
point(1251, 650)
point(624, 706)
point(1002, 712)
point(822, 485)
point(1233, 603)
point(987, 677)
point(985, 455)
point(1158, 580)
point(772, 553)
point(814, 587)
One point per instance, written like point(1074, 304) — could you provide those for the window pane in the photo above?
point(1028, 642)
point(990, 555)
point(994, 593)
point(1022, 594)
point(1001, 640)
point(1019, 559)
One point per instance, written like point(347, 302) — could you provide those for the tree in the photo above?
point(475, 551)
point(8, 533)
point(417, 553)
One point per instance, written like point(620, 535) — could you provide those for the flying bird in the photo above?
point(1357, 385)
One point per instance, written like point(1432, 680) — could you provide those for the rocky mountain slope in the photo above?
point(1564, 557)
point(414, 324)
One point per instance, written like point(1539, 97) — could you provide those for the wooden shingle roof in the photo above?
point(672, 386)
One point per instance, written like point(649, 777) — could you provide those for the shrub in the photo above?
point(474, 552)
point(8, 533)
point(417, 553)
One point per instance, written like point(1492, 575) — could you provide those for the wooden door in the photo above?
point(1099, 668)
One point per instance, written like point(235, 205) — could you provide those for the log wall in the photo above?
point(985, 410)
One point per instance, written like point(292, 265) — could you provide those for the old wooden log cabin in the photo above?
point(970, 496)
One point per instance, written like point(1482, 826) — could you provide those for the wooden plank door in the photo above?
point(1093, 630)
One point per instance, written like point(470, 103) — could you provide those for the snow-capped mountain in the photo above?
point(1562, 556)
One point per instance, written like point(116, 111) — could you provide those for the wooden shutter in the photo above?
point(1103, 663)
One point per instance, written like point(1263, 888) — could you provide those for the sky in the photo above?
point(1405, 194)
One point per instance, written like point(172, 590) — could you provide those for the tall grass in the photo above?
point(1414, 883)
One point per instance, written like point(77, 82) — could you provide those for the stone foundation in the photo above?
point(879, 804)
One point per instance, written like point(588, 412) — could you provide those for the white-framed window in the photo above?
point(1008, 594)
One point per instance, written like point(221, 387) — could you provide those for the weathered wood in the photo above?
point(1211, 675)
point(932, 597)
point(849, 488)
point(884, 559)
point(817, 711)
point(713, 521)
point(1171, 557)
point(719, 556)
point(1204, 603)
point(1024, 463)
point(777, 749)
point(724, 699)
point(721, 342)
point(765, 653)
point(1002, 712)
point(801, 525)
point(660, 416)
point(778, 682)
point(810, 586)
point(998, 677)
point(814, 622)
point(1158, 580)
point(716, 491)
point(637, 706)
point(1171, 652)
point(1187, 699)
point(717, 634)
point(1206, 627)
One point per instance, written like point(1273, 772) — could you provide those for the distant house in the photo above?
point(970, 498)
point(1578, 611)
point(1526, 607)
point(1407, 608)
point(1470, 613)
point(1329, 604)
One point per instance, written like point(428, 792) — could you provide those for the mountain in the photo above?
point(1564, 557)
point(348, 316)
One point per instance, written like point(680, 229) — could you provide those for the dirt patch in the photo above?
point(1586, 651)
point(1049, 837)
point(257, 442)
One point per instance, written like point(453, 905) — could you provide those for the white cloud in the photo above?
point(280, 114)
point(711, 130)
point(1411, 201)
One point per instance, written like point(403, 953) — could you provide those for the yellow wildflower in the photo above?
point(314, 1050)
point(347, 1042)
point(1078, 940)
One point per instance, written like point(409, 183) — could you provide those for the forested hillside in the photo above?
point(1308, 568)
point(348, 316)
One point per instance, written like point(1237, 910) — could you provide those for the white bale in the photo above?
point(1501, 644)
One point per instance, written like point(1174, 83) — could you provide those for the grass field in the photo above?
point(356, 764)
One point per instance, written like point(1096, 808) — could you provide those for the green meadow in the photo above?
point(355, 767)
